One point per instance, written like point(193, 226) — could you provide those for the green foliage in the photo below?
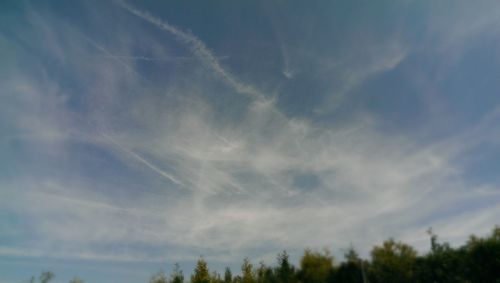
point(478, 261)
point(247, 275)
point(351, 255)
point(176, 276)
point(201, 273)
point(76, 280)
point(350, 271)
point(442, 264)
point(265, 274)
point(261, 272)
point(159, 277)
point(284, 272)
point(315, 267)
point(228, 275)
point(46, 276)
point(215, 278)
point(392, 262)
point(483, 259)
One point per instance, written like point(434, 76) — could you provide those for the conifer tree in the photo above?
point(201, 273)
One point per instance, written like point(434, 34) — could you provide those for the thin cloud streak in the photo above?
point(242, 172)
point(109, 54)
point(160, 59)
point(144, 161)
point(199, 49)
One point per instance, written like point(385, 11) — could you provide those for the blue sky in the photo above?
point(138, 134)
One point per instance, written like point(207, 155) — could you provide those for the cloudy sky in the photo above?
point(137, 134)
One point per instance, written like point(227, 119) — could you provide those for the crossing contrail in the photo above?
point(144, 161)
point(109, 54)
point(198, 48)
point(144, 58)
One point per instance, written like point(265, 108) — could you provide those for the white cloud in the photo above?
point(238, 168)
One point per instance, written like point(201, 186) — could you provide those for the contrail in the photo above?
point(287, 71)
point(144, 58)
point(198, 48)
point(144, 161)
point(109, 54)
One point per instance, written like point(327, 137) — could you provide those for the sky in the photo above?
point(139, 134)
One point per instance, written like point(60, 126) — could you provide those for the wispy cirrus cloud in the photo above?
point(96, 152)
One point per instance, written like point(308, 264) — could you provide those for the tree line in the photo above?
point(478, 260)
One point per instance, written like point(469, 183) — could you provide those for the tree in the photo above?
point(76, 280)
point(285, 272)
point(215, 278)
point(228, 276)
point(159, 277)
point(315, 267)
point(483, 257)
point(351, 270)
point(177, 276)
point(46, 276)
point(247, 275)
point(442, 264)
point(265, 274)
point(393, 262)
point(201, 273)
